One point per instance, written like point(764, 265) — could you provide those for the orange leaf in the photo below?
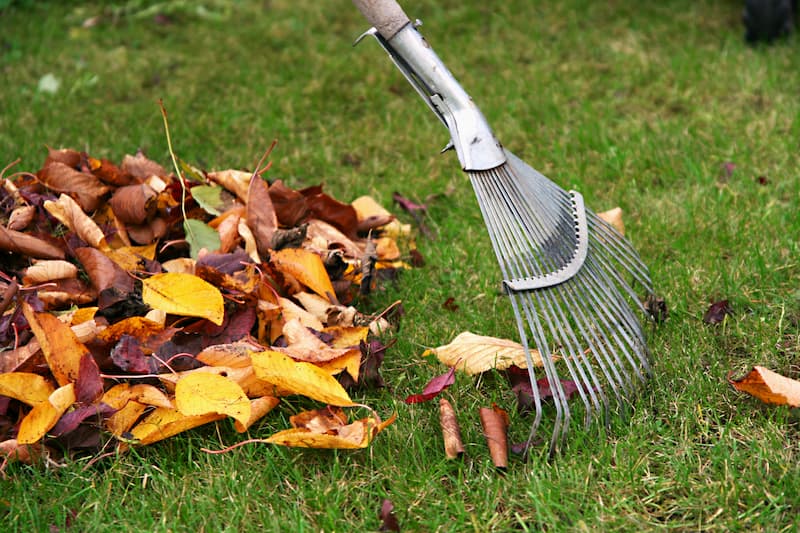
point(135, 326)
point(164, 423)
point(61, 347)
point(769, 387)
point(28, 388)
point(299, 378)
point(184, 295)
point(45, 415)
point(306, 267)
point(202, 393)
point(258, 408)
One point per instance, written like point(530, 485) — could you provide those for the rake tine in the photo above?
point(565, 269)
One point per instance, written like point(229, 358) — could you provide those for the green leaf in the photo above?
point(199, 236)
point(212, 198)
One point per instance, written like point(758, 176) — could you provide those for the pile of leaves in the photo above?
point(138, 303)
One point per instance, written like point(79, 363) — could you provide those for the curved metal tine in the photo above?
point(605, 302)
point(611, 299)
point(508, 240)
point(505, 238)
point(537, 399)
point(621, 251)
point(562, 332)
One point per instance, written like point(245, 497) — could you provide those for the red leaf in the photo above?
point(89, 384)
point(717, 312)
point(434, 387)
point(388, 519)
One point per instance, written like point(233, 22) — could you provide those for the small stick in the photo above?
point(451, 432)
point(495, 423)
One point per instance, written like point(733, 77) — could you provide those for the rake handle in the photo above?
point(386, 15)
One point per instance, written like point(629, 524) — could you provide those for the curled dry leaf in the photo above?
point(28, 245)
point(69, 213)
point(327, 428)
point(478, 353)
point(20, 217)
point(235, 181)
point(769, 387)
point(49, 270)
point(495, 429)
point(306, 267)
point(134, 204)
point(303, 345)
point(87, 188)
point(451, 432)
point(139, 166)
point(260, 216)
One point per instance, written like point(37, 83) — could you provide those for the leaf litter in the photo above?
point(133, 310)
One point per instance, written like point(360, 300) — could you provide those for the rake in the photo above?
point(564, 269)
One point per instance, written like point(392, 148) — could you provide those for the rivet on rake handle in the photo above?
point(568, 274)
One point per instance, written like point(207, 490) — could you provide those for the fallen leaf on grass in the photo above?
point(434, 387)
point(328, 428)
point(478, 353)
point(769, 387)
point(184, 295)
point(259, 407)
point(164, 423)
point(451, 432)
point(388, 519)
point(717, 312)
point(495, 428)
point(614, 218)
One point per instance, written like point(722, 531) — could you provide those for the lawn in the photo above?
point(643, 105)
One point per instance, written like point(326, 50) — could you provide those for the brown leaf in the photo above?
point(49, 270)
point(290, 205)
point(69, 213)
point(614, 218)
point(235, 181)
point(109, 173)
point(103, 272)
point(28, 245)
point(303, 345)
point(134, 204)
point(67, 156)
point(141, 167)
point(495, 427)
point(323, 236)
point(260, 216)
point(87, 189)
point(20, 217)
point(341, 216)
point(769, 387)
point(451, 432)
point(717, 312)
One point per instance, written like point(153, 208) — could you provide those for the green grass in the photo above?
point(636, 104)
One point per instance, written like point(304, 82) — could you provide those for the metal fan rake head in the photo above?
point(568, 274)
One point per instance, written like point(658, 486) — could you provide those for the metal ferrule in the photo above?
point(475, 144)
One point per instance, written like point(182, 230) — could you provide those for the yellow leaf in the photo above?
point(291, 311)
point(769, 387)
point(135, 326)
point(318, 430)
point(350, 361)
point(306, 267)
point(129, 258)
point(83, 314)
point(258, 408)
point(28, 388)
point(477, 353)
point(164, 423)
point(299, 378)
point(45, 415)
point(202, 393)
point(130, 402)
point(184, 295)
point(62, 349)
